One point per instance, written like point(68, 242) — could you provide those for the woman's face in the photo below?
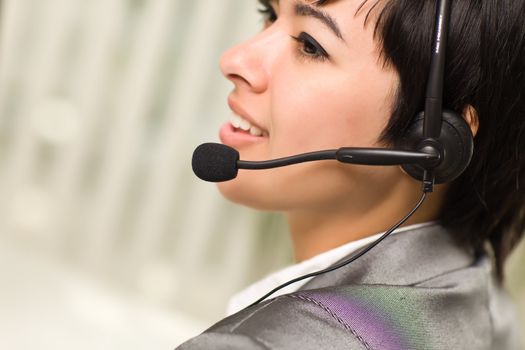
point(312, 80)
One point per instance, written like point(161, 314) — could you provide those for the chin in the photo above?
point(250, 191)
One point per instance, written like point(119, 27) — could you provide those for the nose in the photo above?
point(247, 64)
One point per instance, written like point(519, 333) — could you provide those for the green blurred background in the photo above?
point(107, 240)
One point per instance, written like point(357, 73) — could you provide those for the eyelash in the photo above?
point(310, 49)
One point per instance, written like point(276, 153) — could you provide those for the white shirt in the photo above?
point(249, 295)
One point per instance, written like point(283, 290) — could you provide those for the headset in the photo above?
point(436, 148)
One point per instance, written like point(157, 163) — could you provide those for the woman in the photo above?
point(325, 74)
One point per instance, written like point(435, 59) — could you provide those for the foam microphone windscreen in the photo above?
point(215, 162)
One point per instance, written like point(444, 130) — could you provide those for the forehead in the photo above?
point(368, 9)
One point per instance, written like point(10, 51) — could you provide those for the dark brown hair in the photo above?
point(486, 70)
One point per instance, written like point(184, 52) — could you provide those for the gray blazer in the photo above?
point(416, 290)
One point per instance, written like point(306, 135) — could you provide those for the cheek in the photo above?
point(330, 113)
point(313, 108)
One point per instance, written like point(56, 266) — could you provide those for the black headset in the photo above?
point(436, 148)
point(437, 130)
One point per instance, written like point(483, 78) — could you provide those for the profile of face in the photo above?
point(312, 79)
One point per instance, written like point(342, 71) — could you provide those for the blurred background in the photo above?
point(107, 240)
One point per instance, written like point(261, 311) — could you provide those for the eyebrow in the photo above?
point(302, 9)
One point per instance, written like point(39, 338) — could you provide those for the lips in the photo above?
point(243, 121)
point(242, 128)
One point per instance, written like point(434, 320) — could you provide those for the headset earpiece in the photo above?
point(455, 144)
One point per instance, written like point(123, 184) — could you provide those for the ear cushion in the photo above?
point(457, 145)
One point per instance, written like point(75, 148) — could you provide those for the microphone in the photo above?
point(215, 162)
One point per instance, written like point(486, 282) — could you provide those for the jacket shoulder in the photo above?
point(287, 322)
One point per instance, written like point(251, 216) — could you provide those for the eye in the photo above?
point(267, 11)
point(310, 48)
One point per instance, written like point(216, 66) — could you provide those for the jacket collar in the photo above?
point(407, 259)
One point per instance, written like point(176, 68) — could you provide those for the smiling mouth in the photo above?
point(242, 125)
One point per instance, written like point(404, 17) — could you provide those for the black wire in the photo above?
point(349, 260)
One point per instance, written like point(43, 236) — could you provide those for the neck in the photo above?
point(317, 231)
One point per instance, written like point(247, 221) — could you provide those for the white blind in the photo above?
point(101, 105)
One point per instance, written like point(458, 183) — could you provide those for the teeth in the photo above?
point(245, 125)
point(240, 123)
point(236, 121)
point(255, 131)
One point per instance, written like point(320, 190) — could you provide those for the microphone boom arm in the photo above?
point(276, 163)
point(379, 156)
point(362, 156)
